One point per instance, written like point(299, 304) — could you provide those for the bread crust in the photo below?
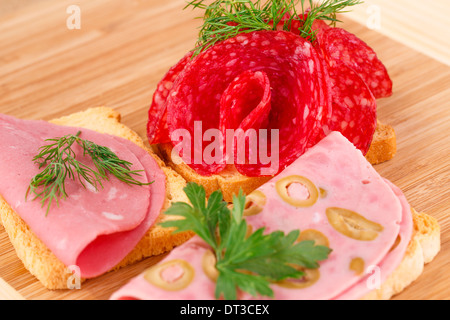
point(423, 247)
point(42, 263)
point(383, 148)
point(384, 145)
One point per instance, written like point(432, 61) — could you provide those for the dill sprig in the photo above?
point(224, 19)
point(327, 10)
point(59, 160)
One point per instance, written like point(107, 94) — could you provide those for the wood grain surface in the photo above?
point(125, 47)
point(422, 26)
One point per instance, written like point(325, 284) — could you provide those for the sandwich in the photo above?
point(99, 226)
point(377, 243)
point(269, 93)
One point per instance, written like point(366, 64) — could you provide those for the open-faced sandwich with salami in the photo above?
point(83, 191)
point(281, 78)
point(275, 111)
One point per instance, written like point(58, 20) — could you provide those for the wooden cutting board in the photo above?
point(125, 47)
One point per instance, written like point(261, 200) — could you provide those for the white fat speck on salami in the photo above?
point(93, 230)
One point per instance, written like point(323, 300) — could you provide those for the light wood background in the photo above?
point(421, 25)
point(125, 47)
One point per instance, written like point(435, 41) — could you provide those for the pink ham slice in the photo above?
point(92, 229)
point(336, 166)
point(392, 259)
point(201, 287)
point(299, 99)
point(350, 182)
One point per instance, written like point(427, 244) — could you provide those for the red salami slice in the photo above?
point(299, 95)
point(318, 25)
point(245, 105)
point(340, 46)
point(354, 107)
point(246, 102)
point(157, 130)
point(297, 22)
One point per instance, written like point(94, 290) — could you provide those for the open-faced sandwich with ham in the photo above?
point(359, 238)
point(284, 87)
point(83, 191)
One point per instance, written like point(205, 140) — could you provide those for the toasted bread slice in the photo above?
point(383, 148)
point(422, 248)
point(41, 262)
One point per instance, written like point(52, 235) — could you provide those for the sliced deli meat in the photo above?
point(304, 93)
point(180, 276)
point(334, 193)
point(334, 197)
point(157, 129)
point(340, 46)
point(92, 229)
point(299, 99)
point(387, 266)
point(354, 106)
point(245, 106)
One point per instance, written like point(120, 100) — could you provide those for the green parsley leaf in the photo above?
point(252, 262)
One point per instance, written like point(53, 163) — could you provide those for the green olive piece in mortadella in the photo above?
point(309, 278)
point(254, 203)
point(209, 265)
point(173, 275)
point(282, 187)
point(357, 265)
point(352, 224)
point(323, 193)
point(311, 234)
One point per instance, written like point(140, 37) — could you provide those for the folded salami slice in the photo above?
point(157, 129)
point(246, 102)
point(340, 46)
point(336, 198)
point(92, 229)
point(354, 106)
point(245, 105)
point(300, 100)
